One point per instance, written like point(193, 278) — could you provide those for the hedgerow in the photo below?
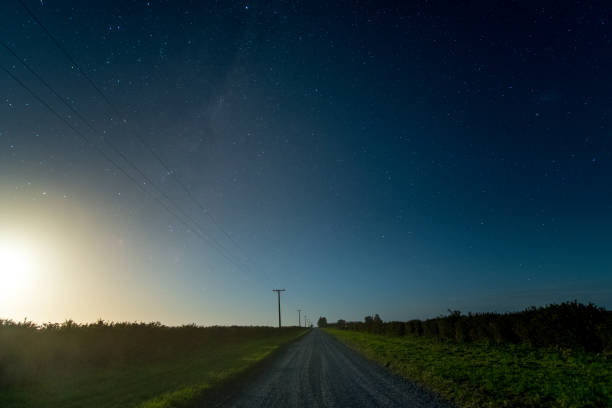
point(569, 325)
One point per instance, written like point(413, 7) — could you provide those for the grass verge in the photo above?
point(483, 375)
point(162, 368)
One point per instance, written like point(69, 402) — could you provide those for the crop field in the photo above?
point(481, 374)
point(125, 365)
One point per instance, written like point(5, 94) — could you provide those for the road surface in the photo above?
point(319, 371)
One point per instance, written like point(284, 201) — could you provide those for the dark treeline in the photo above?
point(570, 325)
point(28, 350)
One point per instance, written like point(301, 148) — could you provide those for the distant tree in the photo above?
point(368, 323)
point(322, 322)
point(341, 323)
point(378, 324)
point(373, 324)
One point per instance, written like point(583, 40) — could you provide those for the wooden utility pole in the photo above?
point(299, 317)
point(278, 291)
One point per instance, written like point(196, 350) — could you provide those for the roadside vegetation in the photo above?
point(554, 356)
point(568, 325)
point(125, 364)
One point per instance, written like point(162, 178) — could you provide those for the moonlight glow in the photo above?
point(17, 263)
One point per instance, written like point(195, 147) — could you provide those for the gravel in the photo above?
point(319, 371)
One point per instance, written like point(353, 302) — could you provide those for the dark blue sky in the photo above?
point(370, 158)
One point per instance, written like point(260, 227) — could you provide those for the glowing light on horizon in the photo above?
point(17, 267)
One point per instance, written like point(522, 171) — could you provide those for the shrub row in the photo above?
point(28, 350)
point(569, 325)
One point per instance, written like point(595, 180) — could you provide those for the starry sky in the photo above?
point(368, 157)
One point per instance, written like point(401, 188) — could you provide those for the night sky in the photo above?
point(399, 160)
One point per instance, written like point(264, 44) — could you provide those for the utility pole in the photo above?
point(299, 317)
point(278, 291)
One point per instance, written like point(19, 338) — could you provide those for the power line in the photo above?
point(117, 111)
point(64, 51)
point(113, 147)
point(112, 161)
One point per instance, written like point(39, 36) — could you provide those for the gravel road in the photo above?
point(320, 371)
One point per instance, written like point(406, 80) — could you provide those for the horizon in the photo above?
point(109, 323)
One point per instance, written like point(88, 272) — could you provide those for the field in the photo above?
point(125, 365)
point(481, 374)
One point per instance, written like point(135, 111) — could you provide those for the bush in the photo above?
point(415, 327)
point(569, 325)
point(395, 329)
point(28, 351)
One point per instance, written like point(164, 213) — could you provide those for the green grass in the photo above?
point(154, 367)
point(483, 375)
